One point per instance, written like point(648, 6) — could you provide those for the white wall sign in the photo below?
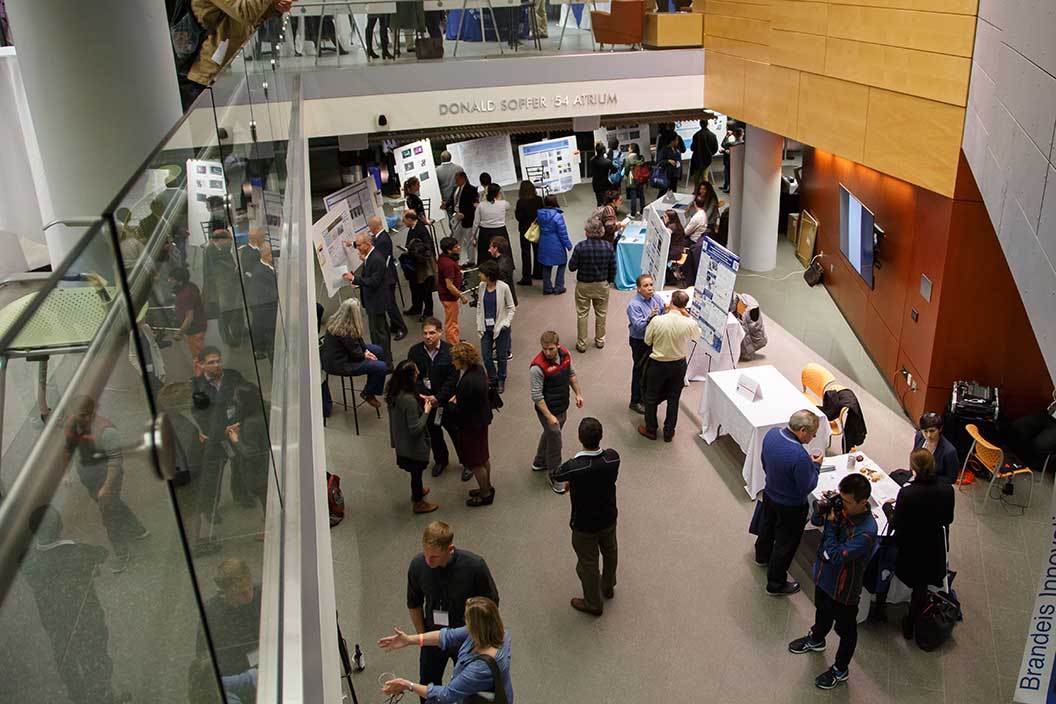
point(657, 244)
point(416, 159)
point(204, 179)
point(493, 155)
point(557, 160)
point(328, 238)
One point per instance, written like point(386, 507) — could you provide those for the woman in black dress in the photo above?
point(411, 187)
point(473, 410)
point(528, 204)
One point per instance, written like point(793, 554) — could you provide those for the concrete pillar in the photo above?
point(101, 87)
point(736, 195)
point(761, 202)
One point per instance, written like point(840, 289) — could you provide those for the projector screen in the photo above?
point(856, 234)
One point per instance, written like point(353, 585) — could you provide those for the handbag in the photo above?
point(429, 47)
point(658, 179)
point(941, 611)
point(532, 234)
point(814, 273)
point(498, 680)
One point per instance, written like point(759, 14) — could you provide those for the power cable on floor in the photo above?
point(782, 278)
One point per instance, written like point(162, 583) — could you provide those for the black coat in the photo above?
point(467, 204)
point(383, 243)
point(341, 355)
point(704, 146)
point(474, 410)
point(600, 168)
point(440, 371)
point(526, 211)
point(923, 510)
point(259, 278)
point(854, 428)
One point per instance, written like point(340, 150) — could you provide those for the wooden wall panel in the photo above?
point(925, 74)
point(738, 9)
point(914, 139)
point(724, 83)
point(745, 50)
point(797, 16)
point(771, 94)
point(926, 31)
point(797, 50)
point(739, 28)
point(959, 7)
point(832, 115)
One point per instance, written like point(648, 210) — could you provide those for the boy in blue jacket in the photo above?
point(847, 545)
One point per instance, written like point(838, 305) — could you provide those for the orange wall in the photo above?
point(974, 327)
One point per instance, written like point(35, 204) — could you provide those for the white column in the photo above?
point(761, 199)
point(101, 86)
point(736, 195)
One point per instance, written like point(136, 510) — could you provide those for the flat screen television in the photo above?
point(857, 234)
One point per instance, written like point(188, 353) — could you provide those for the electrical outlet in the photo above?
point(913, 314)
point(913, 386)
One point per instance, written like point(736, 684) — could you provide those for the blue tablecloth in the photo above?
point(471, 25)
point(629, 256)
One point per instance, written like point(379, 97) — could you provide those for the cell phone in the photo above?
point(827, 468)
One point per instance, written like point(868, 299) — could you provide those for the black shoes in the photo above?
point(399, 335)
point(524, 282)
point(637, 407)
point(438, 468)
point(478, 500)
point(467, 474)
point(787, 589)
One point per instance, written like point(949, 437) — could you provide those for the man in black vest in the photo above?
point(437, 377)
point(591, 475)
point(551, 376)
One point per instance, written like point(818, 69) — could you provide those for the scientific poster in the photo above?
point(204, 179)
point(657, 244)
point(329, 234)
point(713, 292)
point(493, 155)
point(551, 163)
point(686, 129)
point(363, 200)
point(416, 159)
point(626, 135)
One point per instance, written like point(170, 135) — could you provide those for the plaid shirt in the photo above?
point(595, 259)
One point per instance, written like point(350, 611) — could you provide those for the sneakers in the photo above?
point(830, 678)
point(509, 355)
point(787, 589)
point(424, 506)
point(806, 644)
point(581, 347)
point(558, 487)
point(538, 468)
point(600, 344)
point(638, 407)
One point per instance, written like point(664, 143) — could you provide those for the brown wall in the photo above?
point(974, 327)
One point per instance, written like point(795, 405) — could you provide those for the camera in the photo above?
point(829, 501)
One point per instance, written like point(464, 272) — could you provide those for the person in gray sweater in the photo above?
point(408, 431)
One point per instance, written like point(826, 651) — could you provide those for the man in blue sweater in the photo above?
point(791, 474)
point(847, 545)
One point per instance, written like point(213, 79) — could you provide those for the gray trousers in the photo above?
point(548, 454)
point(587, 547)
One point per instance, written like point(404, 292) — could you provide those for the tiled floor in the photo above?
point(690, 621)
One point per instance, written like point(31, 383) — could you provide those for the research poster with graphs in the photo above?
point(713, 292)
point(328, 239)
point(552, 164)
point(363, 200)
point(416, 159)
point(657, 244)
point(204, 179)
point(491, 155)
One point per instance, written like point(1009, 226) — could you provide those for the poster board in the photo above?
point(657, 244)
point(204, 179)
point(363, 199)
point(625, 135)
point(557, 160)
point(328, 239)
point(713, 293)
point(416, 159)
point(491, 154)
point(687, 128)
point(808, 232)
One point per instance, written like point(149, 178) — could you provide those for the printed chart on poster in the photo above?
point(687, 128)
point(713, 292)
point(493, 155)
point(329, 234)
point(657, 244)
point(551, 164)
point(363, 200)
point(416, 159)
point(204, 179)
point(625, 136)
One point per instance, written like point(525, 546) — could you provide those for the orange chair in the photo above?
point(816, 380)
point(624, 24)
point(992, 458)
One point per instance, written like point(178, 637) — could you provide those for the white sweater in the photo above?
point(504, 307)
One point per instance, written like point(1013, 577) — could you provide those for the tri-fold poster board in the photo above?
point(491, 155)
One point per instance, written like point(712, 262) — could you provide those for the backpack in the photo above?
point(186, 33)
point(335, 499)
point(642, 172)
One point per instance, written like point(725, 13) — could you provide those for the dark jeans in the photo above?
point(599, 198)
point(587, 547)
point(231, 327)
point(780, 531)
point(663, 382)
point(415, 468)
point(558, 279)
point(636, 198)
point(121, 524)
point(501, 345)
point(548, 452)
point(639, 352)
point(262, 324)
point(828, 611)
point(529, 259)
point(422, 297)
point(374, 369)
point(432, 662)
point(378, 323)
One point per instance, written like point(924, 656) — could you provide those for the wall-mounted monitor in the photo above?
point(857, 240)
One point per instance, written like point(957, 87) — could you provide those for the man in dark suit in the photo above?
point(372, 279)
point(258, 275)
point(216, 412)
point(437, 377)
point(383, 243)
point(465, 201)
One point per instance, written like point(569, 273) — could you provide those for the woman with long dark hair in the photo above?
point(528, 204)
point(408, 432)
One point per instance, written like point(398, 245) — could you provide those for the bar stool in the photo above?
point(344, 397)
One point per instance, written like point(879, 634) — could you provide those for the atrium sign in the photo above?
point(538, 102)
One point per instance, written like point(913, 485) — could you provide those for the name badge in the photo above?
point(440, 618)
point(427, 383)
point(490, 322)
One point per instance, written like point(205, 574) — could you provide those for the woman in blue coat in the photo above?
point(553, 245)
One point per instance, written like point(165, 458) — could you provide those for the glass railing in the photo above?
point(148, 437)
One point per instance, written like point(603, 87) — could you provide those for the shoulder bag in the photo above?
point(941, 611)
point(532, 235)
point(496, 678)
point(659, 179)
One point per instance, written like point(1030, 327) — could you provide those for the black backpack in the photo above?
point(186, 33)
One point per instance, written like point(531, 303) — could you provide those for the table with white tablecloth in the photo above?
point(723, 409)
point(883, 487)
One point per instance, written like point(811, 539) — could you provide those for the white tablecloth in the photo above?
point(704, 359)
point(722, 409)
point(883, 489)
